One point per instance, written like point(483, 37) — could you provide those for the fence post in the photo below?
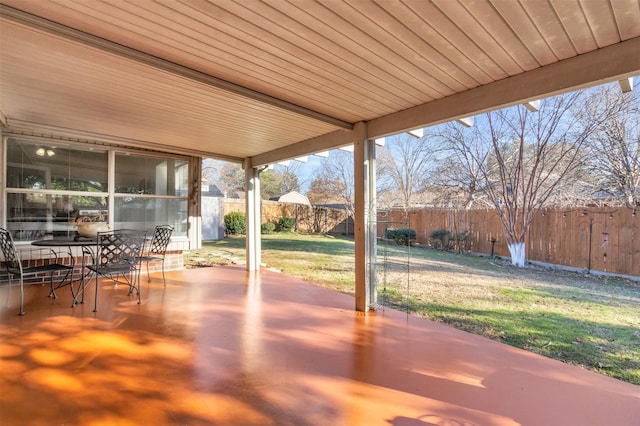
point(590, 239)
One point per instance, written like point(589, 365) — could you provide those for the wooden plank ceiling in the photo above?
point(248, 78)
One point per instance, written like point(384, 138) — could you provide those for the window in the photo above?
point(151, 191)
point(146, 212)
point(137, 174)
point(49, 185)
point(32, 165)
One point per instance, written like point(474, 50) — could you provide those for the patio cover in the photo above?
point(273, 80)
point(266, 81)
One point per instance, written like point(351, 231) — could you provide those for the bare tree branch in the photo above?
point(522, 158)
point(614, 148)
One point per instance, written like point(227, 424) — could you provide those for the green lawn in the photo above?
point(590, 321)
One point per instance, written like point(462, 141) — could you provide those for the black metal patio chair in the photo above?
point(158, 248)
point(117, 257)
point(14, 266)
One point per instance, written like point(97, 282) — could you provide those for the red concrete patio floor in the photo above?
point(221, 346)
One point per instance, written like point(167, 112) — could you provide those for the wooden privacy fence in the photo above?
point(307, 218)
point(593, 239)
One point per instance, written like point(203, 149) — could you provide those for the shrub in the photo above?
point(268, 228)
point(285, 224)
point(402, 236)
point(441, 238)
point(235, 223)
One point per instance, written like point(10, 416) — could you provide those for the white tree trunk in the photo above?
point(517, 254)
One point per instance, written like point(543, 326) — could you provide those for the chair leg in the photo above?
point(139, 271)
point(74, 295)
point(138, 285)
point(21, 296)
point(131, 281)
point(95, 299)
point(52, 293)
point(164, 280)
point(83, 284)
point(9, 290)
point(134, 283)
point(148, 276)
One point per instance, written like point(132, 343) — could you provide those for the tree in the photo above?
point(405, 165)
point(458, 179)
point(523, 157)
point(274, 182)
point(324, 190)
point(334, 182)
point(614, 148)
point(293, 177)
point(230, 178)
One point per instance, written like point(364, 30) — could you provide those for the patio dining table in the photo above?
point(69, 242)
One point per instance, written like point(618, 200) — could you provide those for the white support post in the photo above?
point(195, 201)
point(3, 184)
point(364, 219)
point(111, 188)
point(371, 219)
point(253, 215)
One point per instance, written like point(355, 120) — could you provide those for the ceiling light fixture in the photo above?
point(41, 152)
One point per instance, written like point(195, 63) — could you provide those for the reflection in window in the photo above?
point(147, 212)
point(49, 185)
point(35, 165)
point(33, 216)
point(137, 174)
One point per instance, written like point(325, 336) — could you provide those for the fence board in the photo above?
point(625, 244)
point(635, 243)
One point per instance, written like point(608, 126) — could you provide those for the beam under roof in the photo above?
point(59, 30)
point(326, 142)
point(607, 64)
point(604, 65)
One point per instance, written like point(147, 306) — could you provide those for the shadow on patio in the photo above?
point(225, 346)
